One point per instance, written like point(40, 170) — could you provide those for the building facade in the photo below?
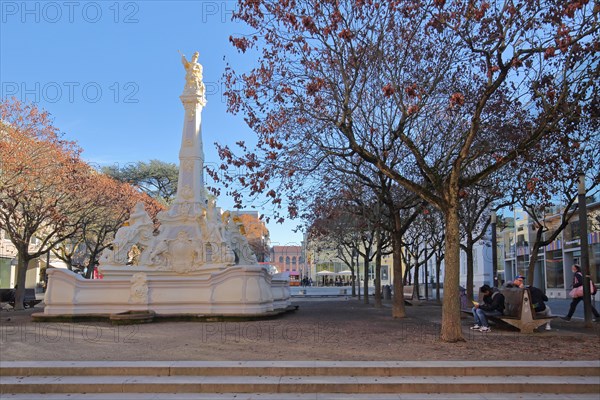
point(553, 267)
point(290, 259)
point(8, 265)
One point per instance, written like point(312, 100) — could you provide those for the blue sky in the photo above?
point(110, 74)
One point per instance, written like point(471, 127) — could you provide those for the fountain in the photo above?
point(198, 263)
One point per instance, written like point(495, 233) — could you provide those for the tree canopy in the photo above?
point(158, 179)
point(437, 95)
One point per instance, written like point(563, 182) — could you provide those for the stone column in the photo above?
point(190, 188)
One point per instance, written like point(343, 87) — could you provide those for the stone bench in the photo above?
point(7, 296)
point(519, 311)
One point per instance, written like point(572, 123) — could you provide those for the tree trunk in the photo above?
point(92, 261)
point(451, 330)
point(377, 293)
point(23, 262)
point(416, 280)
point(438, 269)
point(533, 256)
point(398, 310)
point(357, 282)
point(366, 274)
point(90, 270)
point(425, 272)
point(406, 278)
point(469, 255)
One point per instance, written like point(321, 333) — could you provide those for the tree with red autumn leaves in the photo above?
point(42, 184)
point(46, 191)
point(454, 90)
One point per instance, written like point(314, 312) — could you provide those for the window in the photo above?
point(554, 269)
point(384, 273)
point(574, 230)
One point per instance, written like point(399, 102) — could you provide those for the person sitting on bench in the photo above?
point(518, 282)
point(493, 304)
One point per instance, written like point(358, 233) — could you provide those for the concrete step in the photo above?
point(299, 378)
point(300, 396)
point(302, 368)
point(297, 384)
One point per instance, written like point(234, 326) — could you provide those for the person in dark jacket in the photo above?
point(577, 282)
point(538, 299)
point(493, 304)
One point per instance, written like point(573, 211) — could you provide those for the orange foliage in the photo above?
point(47, 191)
point(41, 175)
point(256, 232)
point(255, 228)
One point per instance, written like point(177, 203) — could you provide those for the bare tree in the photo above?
point(454, 91)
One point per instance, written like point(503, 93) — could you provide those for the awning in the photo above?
point(58, 264)
point(346, 272)
point(294, 273)
point(322, 273)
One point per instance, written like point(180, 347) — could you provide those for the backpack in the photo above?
point(501, 305)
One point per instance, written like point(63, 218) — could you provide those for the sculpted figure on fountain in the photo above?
point(193, 77)
point(234, 235)
point(137, 231)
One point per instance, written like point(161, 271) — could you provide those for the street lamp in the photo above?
point(583, 244)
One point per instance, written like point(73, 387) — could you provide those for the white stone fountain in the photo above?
point(199, 262)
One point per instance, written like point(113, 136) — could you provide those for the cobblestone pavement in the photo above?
point(336, 328)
